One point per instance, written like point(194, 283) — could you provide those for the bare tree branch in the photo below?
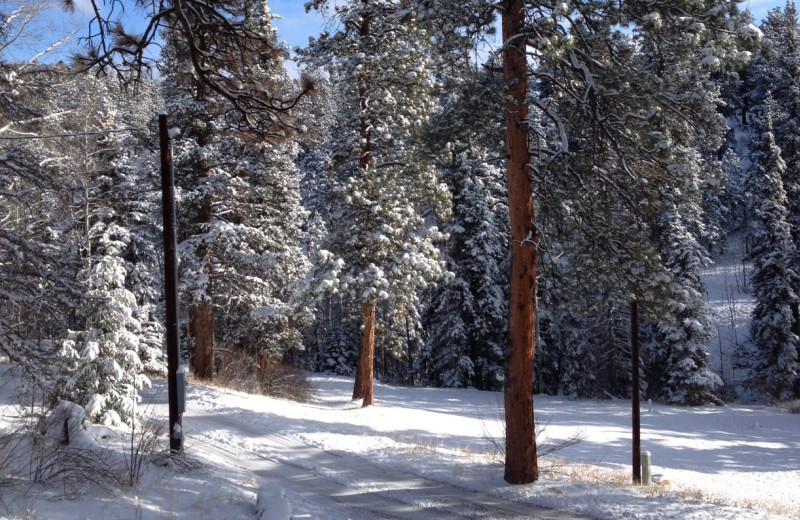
point(220, 44)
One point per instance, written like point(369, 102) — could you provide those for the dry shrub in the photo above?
point(264, 375)
point(12, 458)
point(57, 456)
point(559, 469)
point(621, 478)
point(237, 372)
point(145, 444)
point(792, 407)
point(42, 448)
point(280, 379)
point(184, 461)
point(544, 445)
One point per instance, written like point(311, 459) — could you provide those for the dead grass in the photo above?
point(38, 449)
point(262, 376)
point(415, 446)
point(792, 407)
point(561, 470)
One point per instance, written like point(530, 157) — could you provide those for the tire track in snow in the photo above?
point(349, 483)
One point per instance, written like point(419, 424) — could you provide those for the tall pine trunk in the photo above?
point(362, 389)
point(201, 329)
point(201, 317)
point(521, 465)
point(366, 356)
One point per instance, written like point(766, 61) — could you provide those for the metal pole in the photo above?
point(170, 283)
point(647, 474)
point(637, 442)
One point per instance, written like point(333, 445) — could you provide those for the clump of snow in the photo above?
point(64, 425)
point(750, 32)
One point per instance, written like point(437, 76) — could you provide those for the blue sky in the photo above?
point(759, 8)
point(295, 25)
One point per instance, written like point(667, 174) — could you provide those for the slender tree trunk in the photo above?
point(87, 222)
point(201, 317)
point(521, 465)
point(362, 389)
point(410, 343)
point(366, 355)
point(744, 112)
point(201, 329)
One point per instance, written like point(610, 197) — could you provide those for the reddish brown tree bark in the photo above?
point(363, 388)
point(201, 321)
point(201, 330)
point(201, 317)
point(521, 465)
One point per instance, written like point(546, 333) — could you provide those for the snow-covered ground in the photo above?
point(730, 302)
point(427, 454)
point(424, 453)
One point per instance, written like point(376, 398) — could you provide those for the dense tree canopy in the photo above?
point(433, 209)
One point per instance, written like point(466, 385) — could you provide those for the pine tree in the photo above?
point(600, 122)
point(331, 340)
point(567, 363)
point(382, 248)
point(629, 175)
point(118, 200)
point(101, 368)
point(718, 205)
point(240, 244)
point(782, 76)
point(256, 247)
point(38, 259)
point(466, 317)
point(214, 38)
point(682, 337)
point(774, 277)
point(82, 254)
point(724, 202)
point(113, 336)
point(133, 192)
point(521, 466)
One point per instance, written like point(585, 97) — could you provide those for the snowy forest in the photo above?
point(354, 219)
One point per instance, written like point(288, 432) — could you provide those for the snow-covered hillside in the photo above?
point(731, 304)
point(427, 453)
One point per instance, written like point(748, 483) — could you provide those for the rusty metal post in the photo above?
point(637, 441)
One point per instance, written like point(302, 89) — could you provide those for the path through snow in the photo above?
point(345, 485)
point(426, 451)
